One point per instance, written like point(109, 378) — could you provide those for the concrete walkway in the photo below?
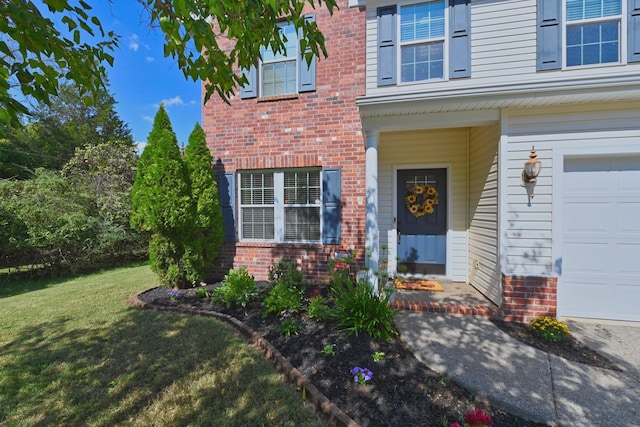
point(526, 381)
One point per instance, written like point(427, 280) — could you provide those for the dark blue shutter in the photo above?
point(460, 38)
point(387, 56)
point(250, 90)
point(331, 206)
point(633, 30)
point(227, 192)
point(549, 43)
point(306, 73)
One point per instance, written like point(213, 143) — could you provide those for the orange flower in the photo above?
point(431, 191)
point(411, 198)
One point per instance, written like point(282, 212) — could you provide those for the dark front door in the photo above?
point(422, 221)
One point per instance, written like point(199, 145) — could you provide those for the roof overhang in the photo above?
point(481, 105)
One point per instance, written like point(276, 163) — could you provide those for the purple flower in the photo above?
point(286, 313)
point(361, 375)
point(174, 293)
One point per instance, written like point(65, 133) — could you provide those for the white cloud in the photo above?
point(134, 42)
point(149, 59)
point(176, 100)
point(140, 146)
point(147, 119)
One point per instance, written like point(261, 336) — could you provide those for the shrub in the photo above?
point(282, 296)
point(549, 329)
point(318, 308)
point(162, 205)
point(357, 308)
point(288, 287)
point(288, 325)
point(286, 271)
point(204, 190)
point(237, 289)
point(203, 292)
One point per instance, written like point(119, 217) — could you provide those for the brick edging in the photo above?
point(336, 415)
point(447, 308)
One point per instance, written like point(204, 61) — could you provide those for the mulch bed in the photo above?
point(403, 391)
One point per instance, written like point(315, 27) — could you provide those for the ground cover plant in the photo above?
point(374, 378)
point(397, 389)
point(73, 352)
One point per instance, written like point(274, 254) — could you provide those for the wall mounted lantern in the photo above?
point(531, 170)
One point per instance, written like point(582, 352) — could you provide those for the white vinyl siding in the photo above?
point(483, 212)
point(503, 52)
point(429, 149)
point(527, 237)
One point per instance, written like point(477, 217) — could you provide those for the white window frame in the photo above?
point(622, 39)
point(444, 39)
point(250, 205)
point(279, 205)
point(288, 58)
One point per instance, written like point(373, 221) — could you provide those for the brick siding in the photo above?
point(314, 129)
point(526, 297)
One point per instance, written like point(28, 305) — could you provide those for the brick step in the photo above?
point(447, 308)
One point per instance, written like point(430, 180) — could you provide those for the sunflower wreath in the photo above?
point(421, 200)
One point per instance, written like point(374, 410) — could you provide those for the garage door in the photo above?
point(601, 238)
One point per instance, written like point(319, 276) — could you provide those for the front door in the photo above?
point(422, 221)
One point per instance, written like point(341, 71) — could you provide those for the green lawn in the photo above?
point(72, 352)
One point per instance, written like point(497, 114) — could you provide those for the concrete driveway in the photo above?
point(619, 341)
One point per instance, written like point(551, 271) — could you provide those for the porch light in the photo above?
point(531, 170)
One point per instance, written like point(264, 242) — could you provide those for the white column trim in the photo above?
point(372, 241)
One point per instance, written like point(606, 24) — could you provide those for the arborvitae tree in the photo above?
point(204, 191)
point(162, 205)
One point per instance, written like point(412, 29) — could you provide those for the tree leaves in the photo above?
point(193, 28)
point(36, 57)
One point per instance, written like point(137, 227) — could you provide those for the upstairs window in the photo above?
point(416, 40)
point(278, 70)
point(593, 29)
point(281, 73)
point(422, 41)
point(572, 33)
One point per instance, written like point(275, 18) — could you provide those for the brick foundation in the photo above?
point(526, 297)
point(313, 259)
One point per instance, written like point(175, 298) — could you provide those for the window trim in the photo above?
point(457, 57)
point(621, 19)
point(445, 39)
point(445, 43)
point(289, 58)
point(279, 206)
point(305, 75)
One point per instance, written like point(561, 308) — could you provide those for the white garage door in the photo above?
point(601, 238)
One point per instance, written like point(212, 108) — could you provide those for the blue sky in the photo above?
point(142, 77)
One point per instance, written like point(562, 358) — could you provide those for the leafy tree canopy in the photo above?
point(36, 55)
point(59, 127)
